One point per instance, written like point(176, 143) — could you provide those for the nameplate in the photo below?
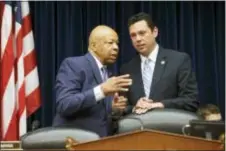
point(10, 145)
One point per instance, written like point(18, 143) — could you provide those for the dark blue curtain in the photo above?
point(61, 30)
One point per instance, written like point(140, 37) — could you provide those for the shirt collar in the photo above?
point(99, 64)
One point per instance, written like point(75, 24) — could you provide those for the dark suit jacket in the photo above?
point(75, 101)
point(173, 84)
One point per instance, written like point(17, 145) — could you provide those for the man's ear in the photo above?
point(155, 31)
point(93, 46)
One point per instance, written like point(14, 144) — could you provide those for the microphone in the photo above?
point(35, 125)
point(185, 129)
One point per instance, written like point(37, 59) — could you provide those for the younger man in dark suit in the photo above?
point(162, 78)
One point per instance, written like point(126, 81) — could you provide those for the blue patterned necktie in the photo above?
point(147, 77)
point(107, 101)
point(104, 73)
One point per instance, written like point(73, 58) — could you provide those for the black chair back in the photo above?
point(168, 120)
point(55, 137)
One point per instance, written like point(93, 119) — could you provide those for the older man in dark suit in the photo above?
point(85, 94)
point(162, 78)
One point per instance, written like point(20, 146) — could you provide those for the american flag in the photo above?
point(19, 82)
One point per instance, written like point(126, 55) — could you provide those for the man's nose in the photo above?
point(138, 38)
point(115, 46)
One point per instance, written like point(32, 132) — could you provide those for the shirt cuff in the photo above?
point(99, 94)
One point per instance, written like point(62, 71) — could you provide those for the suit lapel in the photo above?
point(95, 68)
point(159, 69)
point(107, 101)
point(138, 82)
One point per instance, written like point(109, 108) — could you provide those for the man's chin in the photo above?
point(143, 51)
point(111, 61)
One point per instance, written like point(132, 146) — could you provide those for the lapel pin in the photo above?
point(163, 62)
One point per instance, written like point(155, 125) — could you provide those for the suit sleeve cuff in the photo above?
point(167, 103)
point(99, 94)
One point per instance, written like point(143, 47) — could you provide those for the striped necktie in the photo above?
point(147, 76)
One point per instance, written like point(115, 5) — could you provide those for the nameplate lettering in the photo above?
point(10, 145)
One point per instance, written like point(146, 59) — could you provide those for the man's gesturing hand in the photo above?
point(119, 102)
point(116, 84)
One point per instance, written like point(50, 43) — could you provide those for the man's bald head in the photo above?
point(103, 43)
point(98, 34)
